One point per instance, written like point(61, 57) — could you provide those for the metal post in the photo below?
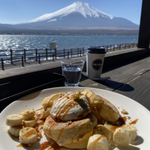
point(119, 46)
point(53, 56)
point(39, 59)
point(22, 61)
point(64, 53)
point(46, 54)
point(11, 56)
point(107, 48)
point(2, 63)
point(71, 52)
point(110, 48)
point(25, 55)
point(50, 56)
point(36, 54)
point(55, 53)
point(83, 52)
point(68, 54)
point(80, 53)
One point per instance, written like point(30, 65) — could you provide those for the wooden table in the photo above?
point(131, 80)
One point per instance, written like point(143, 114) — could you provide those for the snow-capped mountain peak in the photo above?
point(86, 10)
point(77, 7)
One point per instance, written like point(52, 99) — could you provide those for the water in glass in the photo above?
point(72, 72)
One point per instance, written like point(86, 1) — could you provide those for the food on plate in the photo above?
point(29, 123)
point(14, 120)
point(48, 101)
point(133, 131)
point(97, 142)
point(72, 134)
point(20, 126)
point(73, 120)
point(42, 113)
point(68, 109)
point(122, 137)
point(14, 130)
point(45, 112)
point(101, 129)
point(124, 112)
point(27, 114)
point(28, 135)
point(101, 108)
point(111, 128)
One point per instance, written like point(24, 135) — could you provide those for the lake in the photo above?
point(20, 42)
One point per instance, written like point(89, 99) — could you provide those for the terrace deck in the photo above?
point(131, 79)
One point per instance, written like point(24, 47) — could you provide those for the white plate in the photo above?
point(34, 101)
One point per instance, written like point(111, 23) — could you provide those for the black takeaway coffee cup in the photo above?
point(94, 61)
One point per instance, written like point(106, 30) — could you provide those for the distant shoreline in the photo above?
point(102, 32)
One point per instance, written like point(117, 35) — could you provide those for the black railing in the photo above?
point(23, 56)
point(12, 56)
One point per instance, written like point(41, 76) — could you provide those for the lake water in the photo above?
point(20, 42)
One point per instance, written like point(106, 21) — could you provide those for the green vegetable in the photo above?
point(77, 97)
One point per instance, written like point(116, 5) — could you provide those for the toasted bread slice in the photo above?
point(102, 108)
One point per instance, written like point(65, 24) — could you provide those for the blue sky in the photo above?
point(20, 11)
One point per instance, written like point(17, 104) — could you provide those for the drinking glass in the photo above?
point(72, 69)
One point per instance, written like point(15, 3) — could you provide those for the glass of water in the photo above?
point(72, 69)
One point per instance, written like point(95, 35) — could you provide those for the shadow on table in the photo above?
point(116, 85)
point(107, 83)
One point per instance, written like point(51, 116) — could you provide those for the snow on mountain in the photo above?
point(77, 7)
point(79, 15)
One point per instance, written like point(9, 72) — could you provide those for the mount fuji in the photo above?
point(79, 15)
